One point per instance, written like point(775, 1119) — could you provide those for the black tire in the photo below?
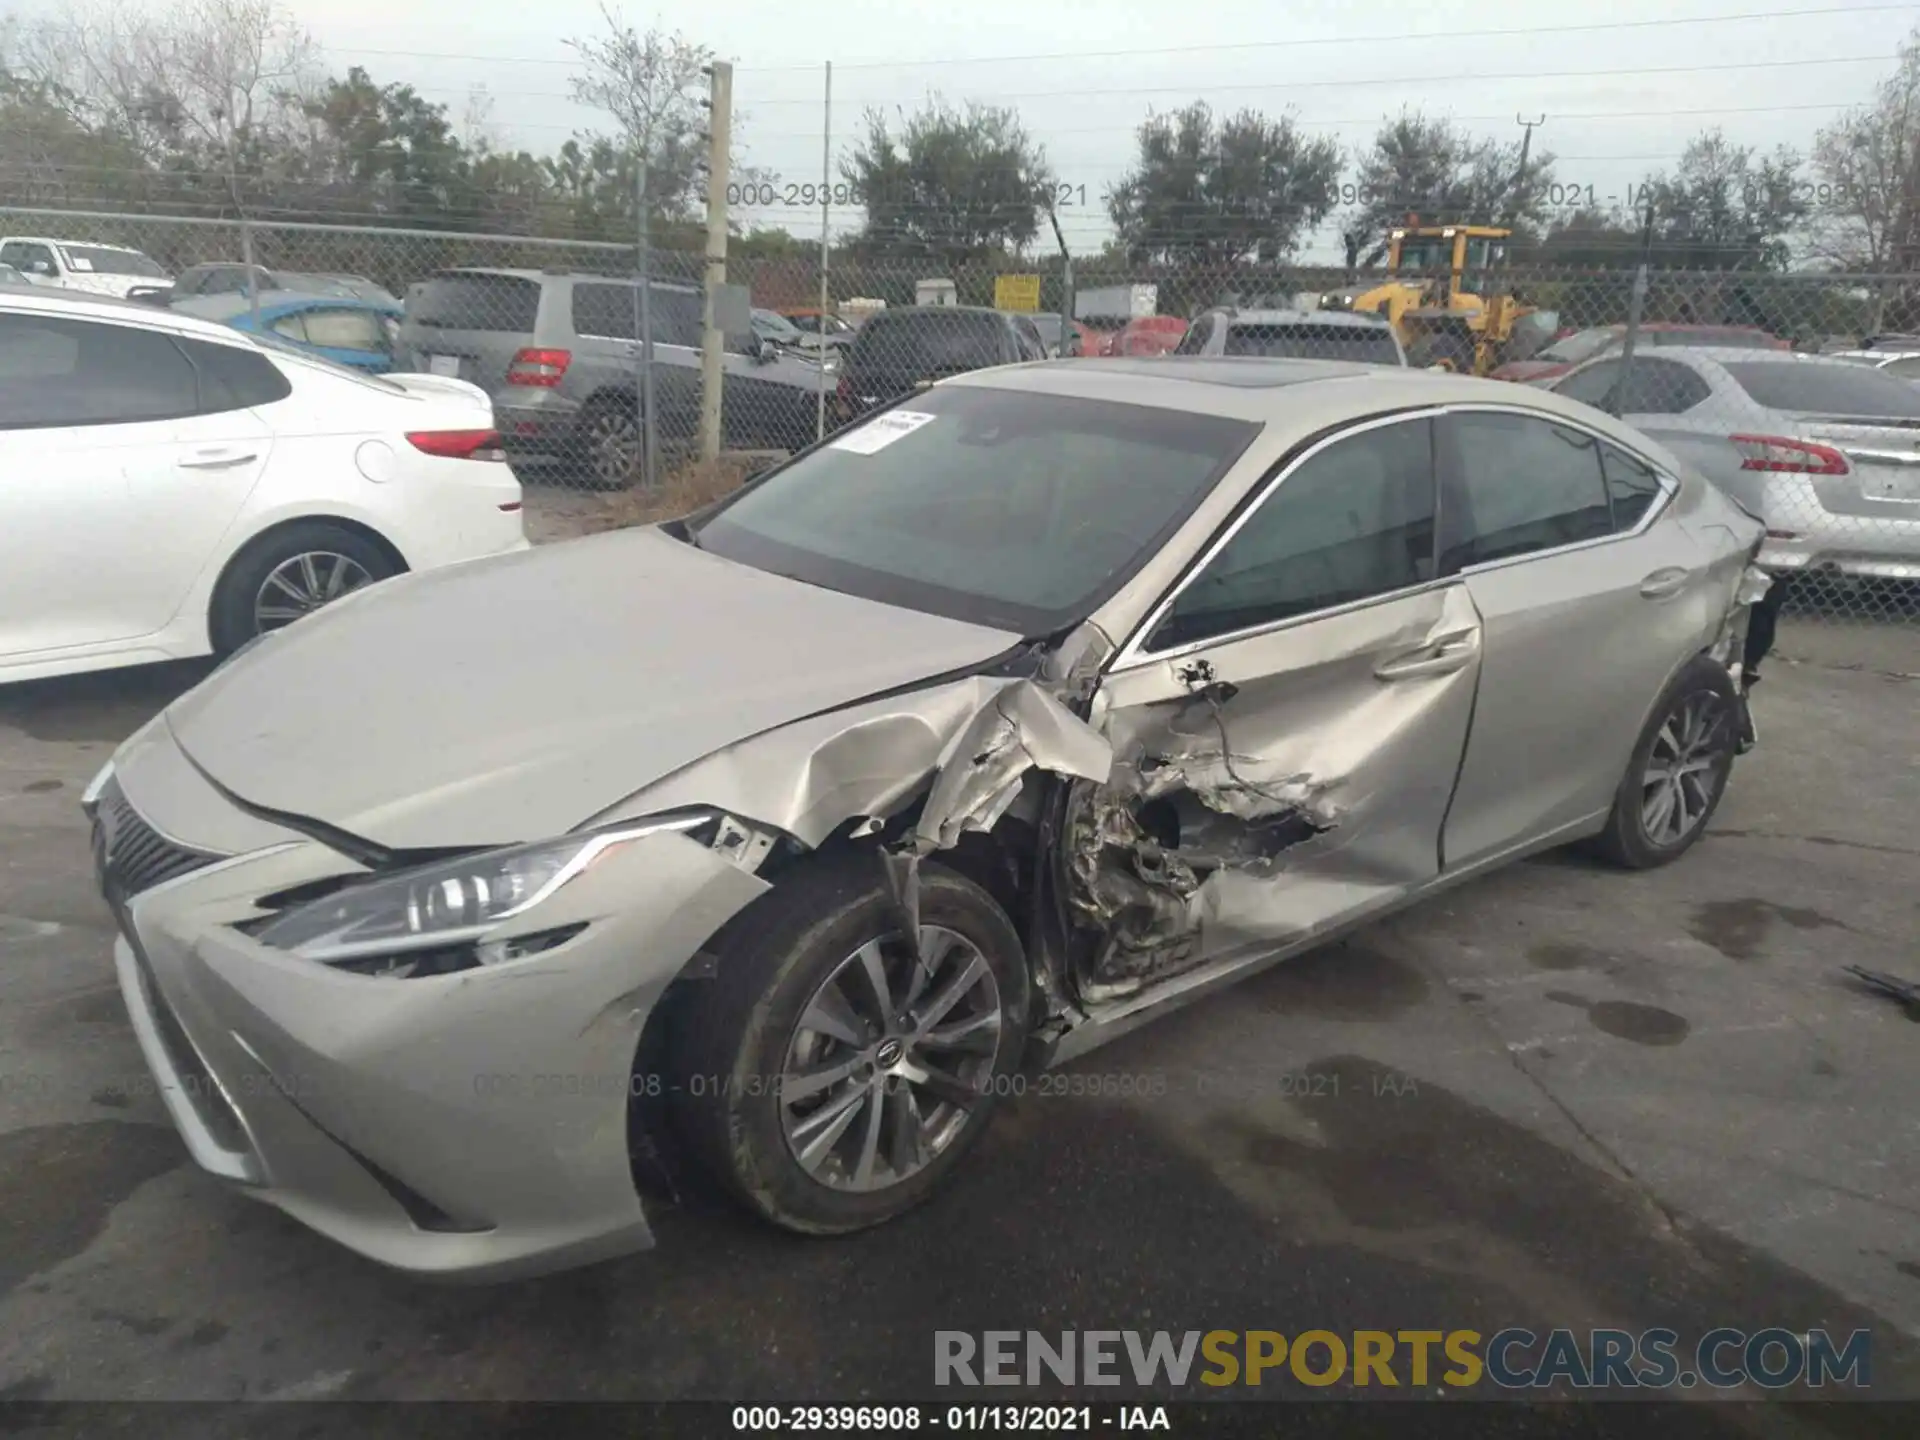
point(594, 436)
point(735, 1046)
point(1627, 841)
point(232, 618)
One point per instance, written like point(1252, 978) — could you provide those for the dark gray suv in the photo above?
point(560, 355)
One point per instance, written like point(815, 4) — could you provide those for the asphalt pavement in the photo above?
point(1558, 1096)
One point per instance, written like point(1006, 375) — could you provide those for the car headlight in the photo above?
point(454, 902)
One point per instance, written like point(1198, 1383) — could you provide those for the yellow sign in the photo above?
point(1016, 292)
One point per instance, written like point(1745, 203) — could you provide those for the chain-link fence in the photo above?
point(1783, 388)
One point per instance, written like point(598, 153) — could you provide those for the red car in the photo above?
point(1147, 335)
point(1584, 345)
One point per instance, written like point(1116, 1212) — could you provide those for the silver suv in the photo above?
point(560, 355)
point(1294, 335)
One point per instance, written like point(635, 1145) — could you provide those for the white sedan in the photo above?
point(171, 488)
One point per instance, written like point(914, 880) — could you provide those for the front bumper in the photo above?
point(471, 1125)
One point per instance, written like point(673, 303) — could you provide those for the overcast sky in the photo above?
point(1621, 93)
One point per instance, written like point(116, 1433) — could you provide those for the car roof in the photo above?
point(1308, 394)
point(1346, 318)
point(513, 273)
point(70, 304)
point(1736, 355)
point(56, 240)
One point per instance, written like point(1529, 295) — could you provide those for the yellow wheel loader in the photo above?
point(1445, 299)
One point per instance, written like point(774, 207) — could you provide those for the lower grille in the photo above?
point(130, 855)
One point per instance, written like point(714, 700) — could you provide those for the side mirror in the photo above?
point(765, 352)
point(39, 267)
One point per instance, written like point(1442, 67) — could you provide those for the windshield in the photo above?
point(1048, 326)
point(776, 327)
point(99, 260)
point(1366, 345)
point(1827, 389)
point(1578, 348)
point(1431, 254)
point(998, 507)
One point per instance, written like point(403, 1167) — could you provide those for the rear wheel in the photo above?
point(1678, 771)
point(833, 1074)
point(289, 573)
point(608, 443)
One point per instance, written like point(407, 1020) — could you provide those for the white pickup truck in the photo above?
point(82, 265)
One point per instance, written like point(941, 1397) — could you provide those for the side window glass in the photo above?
point(234, 377)
point(66, 372)
point(291, 327)
point(1632, 487)
point(1661, 387)
point(1523, 485)
point(1592, 385)
point(345, 330)
point(1354, 521)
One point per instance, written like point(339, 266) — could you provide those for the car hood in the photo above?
point(116, 286)
point(513, 698)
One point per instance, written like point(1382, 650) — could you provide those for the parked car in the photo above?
point(171, 488)
point(1584, 345)
point(902, 350)
point(785, 835)
point(1825, 452)
point(822, 329)
point(349, 331)
point(1147, 335)
point(1904, 363)
point(560, 355)
point(230, 278)
point(1296, 334)
point(80, 265)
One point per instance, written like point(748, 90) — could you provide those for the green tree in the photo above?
point(1728, 207)
point(1418, 165)
point(1207, 192)
point(953, 187)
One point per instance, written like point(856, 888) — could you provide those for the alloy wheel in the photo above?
point(1683, 768)
point(613, 446)
point(302, 584)
point(889, 1060)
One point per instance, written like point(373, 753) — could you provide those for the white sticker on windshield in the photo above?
point(882, 431)
point(79, 262)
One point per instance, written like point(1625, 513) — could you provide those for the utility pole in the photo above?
point(1520, 175)
point(713, 342)
point(1067, 332)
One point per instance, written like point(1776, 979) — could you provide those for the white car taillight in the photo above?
point(458, 444)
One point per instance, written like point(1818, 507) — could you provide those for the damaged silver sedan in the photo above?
point(467, 913)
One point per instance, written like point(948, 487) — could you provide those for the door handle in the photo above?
point(1662, 583)
point(1437, 657)
point(218, 459)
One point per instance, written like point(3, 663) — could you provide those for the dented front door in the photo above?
point(1280, 777)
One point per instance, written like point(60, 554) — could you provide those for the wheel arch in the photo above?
point(266, 534)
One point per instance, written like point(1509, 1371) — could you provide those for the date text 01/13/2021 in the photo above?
point(897, 1419)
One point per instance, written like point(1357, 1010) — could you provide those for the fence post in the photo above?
point(826, 243)
point(1636, 302)
point(253, 284)
point(649, 454)
point(712, 341)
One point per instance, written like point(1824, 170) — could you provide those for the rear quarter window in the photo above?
point(1826, 389)
point(1314, 342)
point(505, 303)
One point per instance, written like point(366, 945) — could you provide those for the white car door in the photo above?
point(115, 488)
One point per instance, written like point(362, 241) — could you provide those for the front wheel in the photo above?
point(835, 1074)
point(1678, 771)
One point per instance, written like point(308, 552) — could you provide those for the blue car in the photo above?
point(348, 330)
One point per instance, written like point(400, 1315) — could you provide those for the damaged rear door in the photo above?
point(1286, 727)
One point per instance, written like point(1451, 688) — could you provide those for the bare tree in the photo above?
point(652, 84)
point(1867, 212)
point(207, 89)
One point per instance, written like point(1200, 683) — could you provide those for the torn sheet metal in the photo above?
point(1023, 728)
